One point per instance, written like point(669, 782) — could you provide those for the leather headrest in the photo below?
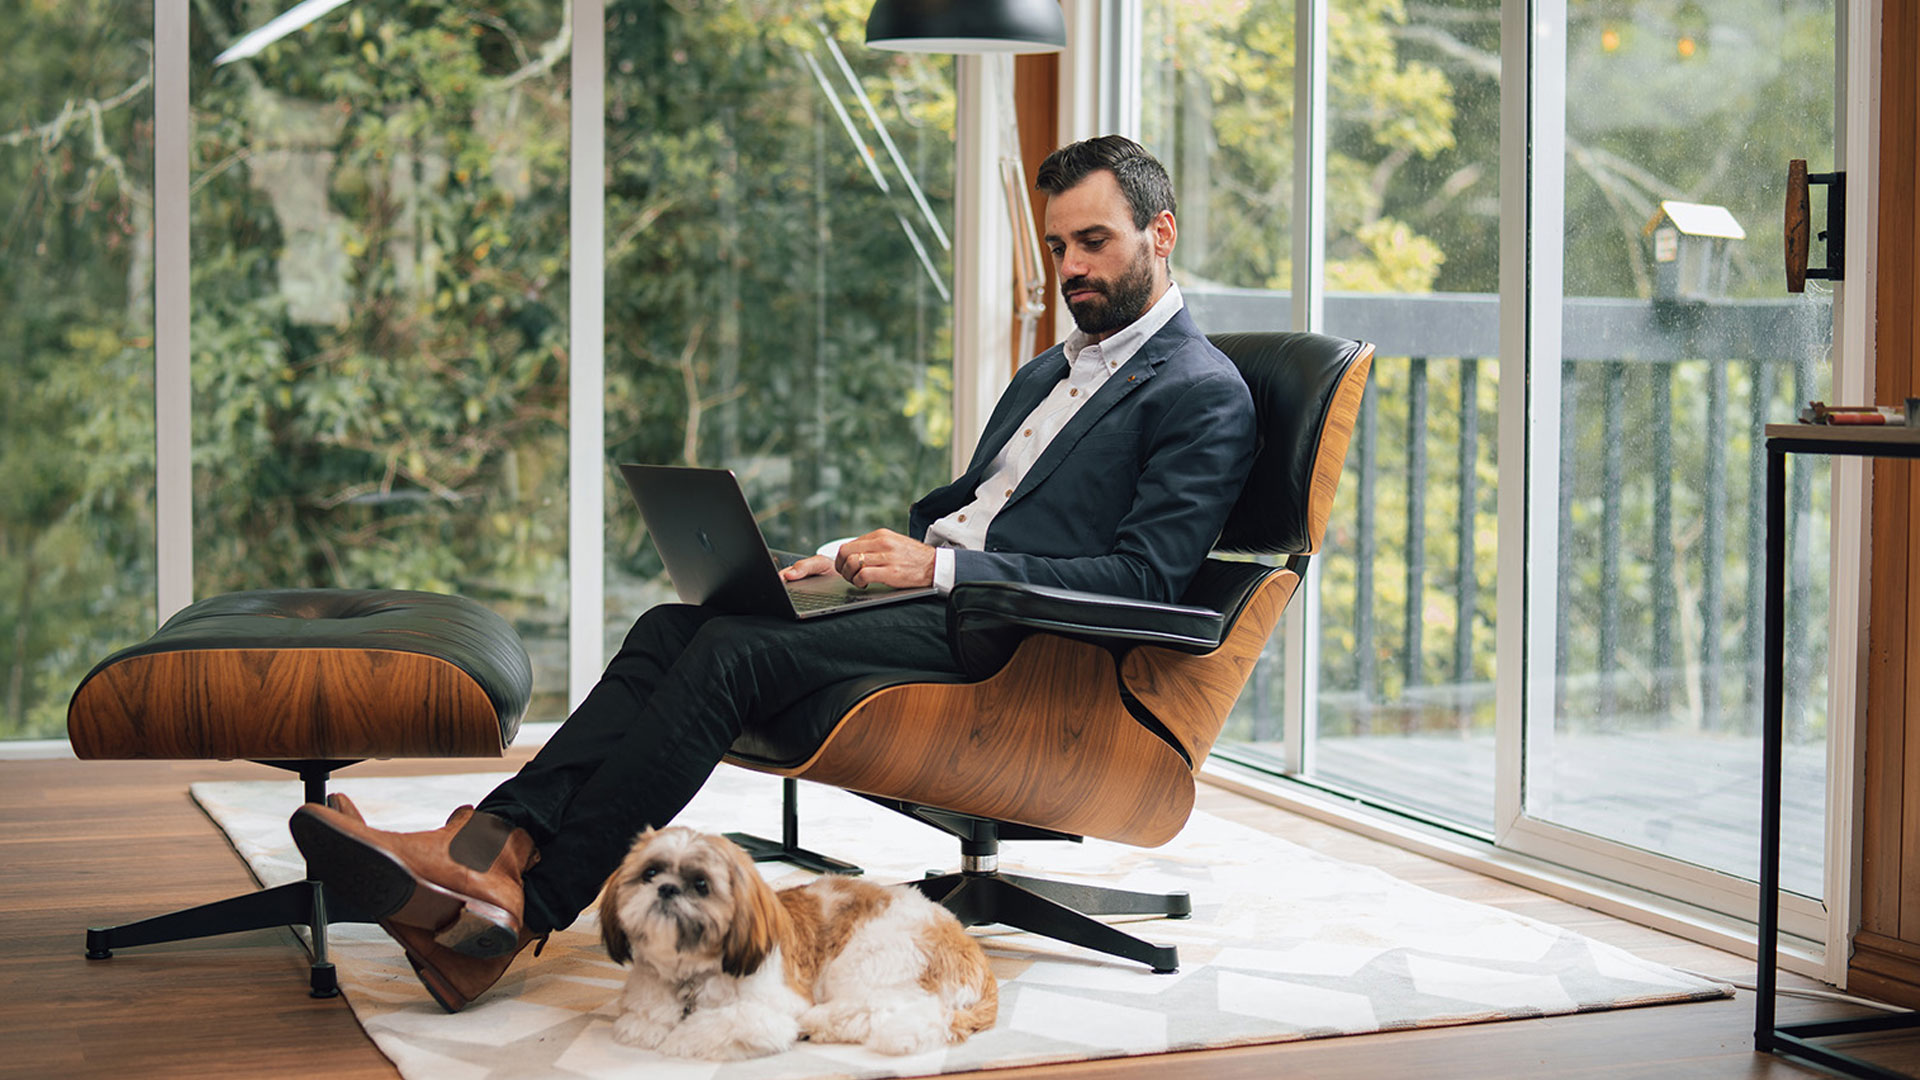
point(1294, 378)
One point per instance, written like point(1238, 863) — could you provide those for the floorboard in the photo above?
point(96, 843)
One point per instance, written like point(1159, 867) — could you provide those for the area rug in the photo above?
point(1284, 943)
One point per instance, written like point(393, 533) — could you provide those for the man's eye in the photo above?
point(1057, 251)
point(1096, 245)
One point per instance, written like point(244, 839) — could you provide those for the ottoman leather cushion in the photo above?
point(304, 674)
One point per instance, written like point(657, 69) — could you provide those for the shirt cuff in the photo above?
point(943, 570)
point(831, 549)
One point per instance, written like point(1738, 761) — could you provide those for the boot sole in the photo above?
point(384, 890)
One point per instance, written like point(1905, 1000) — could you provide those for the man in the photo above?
point(1109, 465)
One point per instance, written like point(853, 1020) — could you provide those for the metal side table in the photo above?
point(1796, 1040)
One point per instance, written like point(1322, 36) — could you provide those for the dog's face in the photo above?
point(685, 902)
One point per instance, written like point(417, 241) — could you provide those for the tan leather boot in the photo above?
point(454, 979)
point(461, 882)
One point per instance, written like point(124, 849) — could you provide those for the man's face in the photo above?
point(1110, 272)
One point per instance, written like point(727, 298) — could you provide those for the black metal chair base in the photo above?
point(1795, 1040)
point(787, 848)
point(297, 903)
point(1061, 911)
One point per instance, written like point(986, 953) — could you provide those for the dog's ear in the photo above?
point(612, 934)
point(757, 917)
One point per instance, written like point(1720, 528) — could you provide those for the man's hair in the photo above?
point(1143, 180)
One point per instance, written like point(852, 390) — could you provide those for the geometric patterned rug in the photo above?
point(1284, 943)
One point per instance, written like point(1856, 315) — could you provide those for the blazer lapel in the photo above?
point(1131, 376)
point(1039, 376)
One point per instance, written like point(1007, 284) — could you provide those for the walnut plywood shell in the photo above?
point(1343, 412)
point(1192, 695)
point(283, 704)
point(1046, 741)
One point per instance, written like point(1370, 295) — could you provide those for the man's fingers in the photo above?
point(807, 567)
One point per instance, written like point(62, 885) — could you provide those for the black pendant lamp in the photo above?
point(967, 26)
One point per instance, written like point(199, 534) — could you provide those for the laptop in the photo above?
point(717, 556)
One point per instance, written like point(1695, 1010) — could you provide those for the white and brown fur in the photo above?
point(725, 967)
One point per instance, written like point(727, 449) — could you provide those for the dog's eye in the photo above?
point(700, 885)
point(649, 873)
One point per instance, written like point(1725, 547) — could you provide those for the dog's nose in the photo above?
point(668, 890)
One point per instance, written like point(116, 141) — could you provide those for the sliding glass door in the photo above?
point(1536, 620)
point(1677, 345)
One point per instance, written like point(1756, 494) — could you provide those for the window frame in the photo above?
point(1689, 900)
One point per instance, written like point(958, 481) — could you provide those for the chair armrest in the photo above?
point(986, 619)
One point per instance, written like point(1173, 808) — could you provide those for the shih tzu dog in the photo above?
point(725, 967)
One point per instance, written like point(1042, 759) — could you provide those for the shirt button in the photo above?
point(1028, 433)
point(1073, 393)
point(963, 517)
point(1008, 493)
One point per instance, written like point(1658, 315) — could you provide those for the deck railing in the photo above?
point(1654, 605)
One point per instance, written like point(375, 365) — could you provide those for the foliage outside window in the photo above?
point(779, 211)
point(380, 347)
point(76, 320)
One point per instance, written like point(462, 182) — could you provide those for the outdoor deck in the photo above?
point(1693, 797)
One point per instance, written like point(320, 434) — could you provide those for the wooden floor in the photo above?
point(96, 843)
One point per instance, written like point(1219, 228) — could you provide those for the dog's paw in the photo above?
point(731, 1035)
point(912, 1029)
point(632, 1029)
point(835, 1022)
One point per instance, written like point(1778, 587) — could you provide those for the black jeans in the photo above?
point(670, 703)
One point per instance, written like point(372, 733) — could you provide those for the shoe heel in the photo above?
point(481, 931)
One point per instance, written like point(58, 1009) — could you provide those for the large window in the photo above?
point(76, 347)
point(1628, 541)
point(379, 222)
point(1679, 345)
point(779, 211)
point(382, 222)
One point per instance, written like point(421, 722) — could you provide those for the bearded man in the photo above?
point(1109, 466)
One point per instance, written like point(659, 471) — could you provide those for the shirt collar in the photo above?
point(1124, 342)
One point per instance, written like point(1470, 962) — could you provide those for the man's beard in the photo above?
point(1120, 302)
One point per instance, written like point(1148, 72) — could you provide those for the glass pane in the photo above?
point(1680, 344)
point(779, 208)
point(379, 213)
point(1406, 703)
point(1216, 88)
point(76, 314)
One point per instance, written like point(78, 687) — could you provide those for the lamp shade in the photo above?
point(967, 26)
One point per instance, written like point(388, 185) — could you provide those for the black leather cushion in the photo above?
point(449, 628)
point(789, 738)
point(1292, 378)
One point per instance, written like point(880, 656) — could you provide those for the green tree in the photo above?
point(76, 314)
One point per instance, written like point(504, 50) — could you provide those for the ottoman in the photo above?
point(309, 680)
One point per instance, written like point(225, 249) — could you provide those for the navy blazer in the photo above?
point(1130, 496)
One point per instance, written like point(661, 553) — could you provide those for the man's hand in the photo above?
point(881, 557)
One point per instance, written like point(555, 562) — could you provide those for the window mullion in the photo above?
point(586, 368)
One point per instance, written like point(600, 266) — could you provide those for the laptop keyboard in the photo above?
point(814, 601)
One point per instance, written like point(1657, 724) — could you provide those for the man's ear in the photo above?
point(1164, 233)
